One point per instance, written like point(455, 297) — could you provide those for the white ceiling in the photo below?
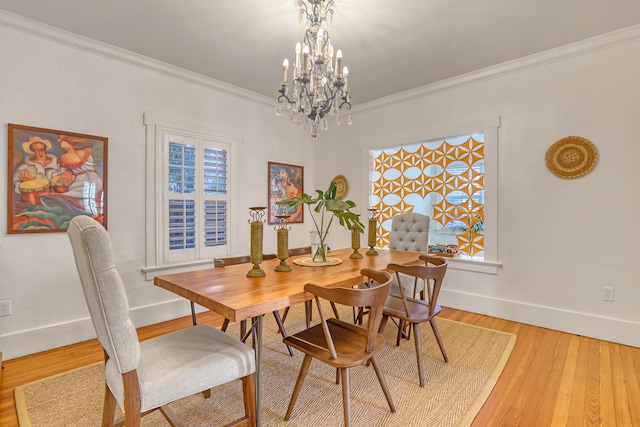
point(390, 46)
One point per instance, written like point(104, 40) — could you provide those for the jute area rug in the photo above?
point(453, 394)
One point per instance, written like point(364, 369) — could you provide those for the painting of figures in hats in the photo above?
point(53, 176)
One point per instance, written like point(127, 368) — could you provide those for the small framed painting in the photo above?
point(285, 181)
point(54, 176)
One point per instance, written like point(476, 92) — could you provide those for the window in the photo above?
point(189, 203)
point(196, 208)
point(442, 178)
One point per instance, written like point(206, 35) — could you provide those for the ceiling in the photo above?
point(390, 46)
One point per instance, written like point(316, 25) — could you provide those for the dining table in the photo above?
point(229, 292)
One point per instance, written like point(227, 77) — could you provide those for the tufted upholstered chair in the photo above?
point(148, 375)
point(409, 232)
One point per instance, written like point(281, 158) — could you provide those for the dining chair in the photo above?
point(308, 307)
point(412, 311)
point(409, 232)
point(221, 263)
point(144, 376)
point(341, 344)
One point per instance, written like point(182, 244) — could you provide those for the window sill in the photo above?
point(467, 263)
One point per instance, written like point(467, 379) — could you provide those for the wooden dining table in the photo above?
point(229, 292)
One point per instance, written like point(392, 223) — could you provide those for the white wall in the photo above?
point(51, 85)
point(560, 240)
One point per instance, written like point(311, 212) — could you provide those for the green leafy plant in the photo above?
point(328, 206)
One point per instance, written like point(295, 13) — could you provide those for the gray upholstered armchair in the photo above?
point(148, 375)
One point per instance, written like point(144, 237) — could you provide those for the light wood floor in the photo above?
point(551, 379)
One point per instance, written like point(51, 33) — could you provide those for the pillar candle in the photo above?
point(372, 232)
point(283, 243)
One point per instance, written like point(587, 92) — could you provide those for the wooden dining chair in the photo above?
point(341, 344)
point(144, 376)
point(414, 311)
point(308, 307)
point(221, 263)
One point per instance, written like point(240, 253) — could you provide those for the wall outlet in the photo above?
point(5, 308)
point(608, 294)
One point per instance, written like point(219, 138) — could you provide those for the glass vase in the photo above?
point(318, 247)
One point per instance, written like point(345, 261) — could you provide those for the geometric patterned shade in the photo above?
point(447, 176)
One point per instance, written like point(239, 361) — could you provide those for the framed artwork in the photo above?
point(285, 181)
point(53, 176)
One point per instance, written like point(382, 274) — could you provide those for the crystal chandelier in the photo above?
point(320, 87)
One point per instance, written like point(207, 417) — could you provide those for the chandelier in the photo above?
point(320, 87)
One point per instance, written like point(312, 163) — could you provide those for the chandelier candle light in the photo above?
point(320, 88)
point(257, 215)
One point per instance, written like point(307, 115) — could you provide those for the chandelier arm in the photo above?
point(283, 96)
point(345, 102)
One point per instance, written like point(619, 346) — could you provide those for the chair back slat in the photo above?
point(325, 329)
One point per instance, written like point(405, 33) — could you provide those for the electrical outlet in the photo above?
point(5, 308)
point(608, 294)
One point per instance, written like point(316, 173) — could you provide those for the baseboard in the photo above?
point(53, 336)
point(608, 329)
point(605, 328)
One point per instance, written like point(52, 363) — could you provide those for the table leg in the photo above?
point(257, 347)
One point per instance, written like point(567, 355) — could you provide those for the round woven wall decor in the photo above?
point(342, 185)
point(571, 157)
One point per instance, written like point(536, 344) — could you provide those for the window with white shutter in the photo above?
point(195, 220)
point(188, 182)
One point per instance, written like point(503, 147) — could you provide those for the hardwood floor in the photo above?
point(551, 379)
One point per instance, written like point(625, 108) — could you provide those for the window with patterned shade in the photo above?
point(441, 178)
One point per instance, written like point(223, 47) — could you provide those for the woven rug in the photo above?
point(453, 394)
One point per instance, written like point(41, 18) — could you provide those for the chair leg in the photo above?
point(131, 399)
point(335, 310)
point(346, 396)
point(243, 328)
point(249, 394)
point(193, 313)
point(400, 329)
point(284, 315)
point(308, 311)
point(169, 415)
point(276, 315)
point(383, 323)
point(109, 408)
point(436, 332)
point(383, 382)
point(416, 337)
point(296, 390)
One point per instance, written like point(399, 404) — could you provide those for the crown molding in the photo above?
point(594, 44)
point(56, 35)
point(584, 47)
